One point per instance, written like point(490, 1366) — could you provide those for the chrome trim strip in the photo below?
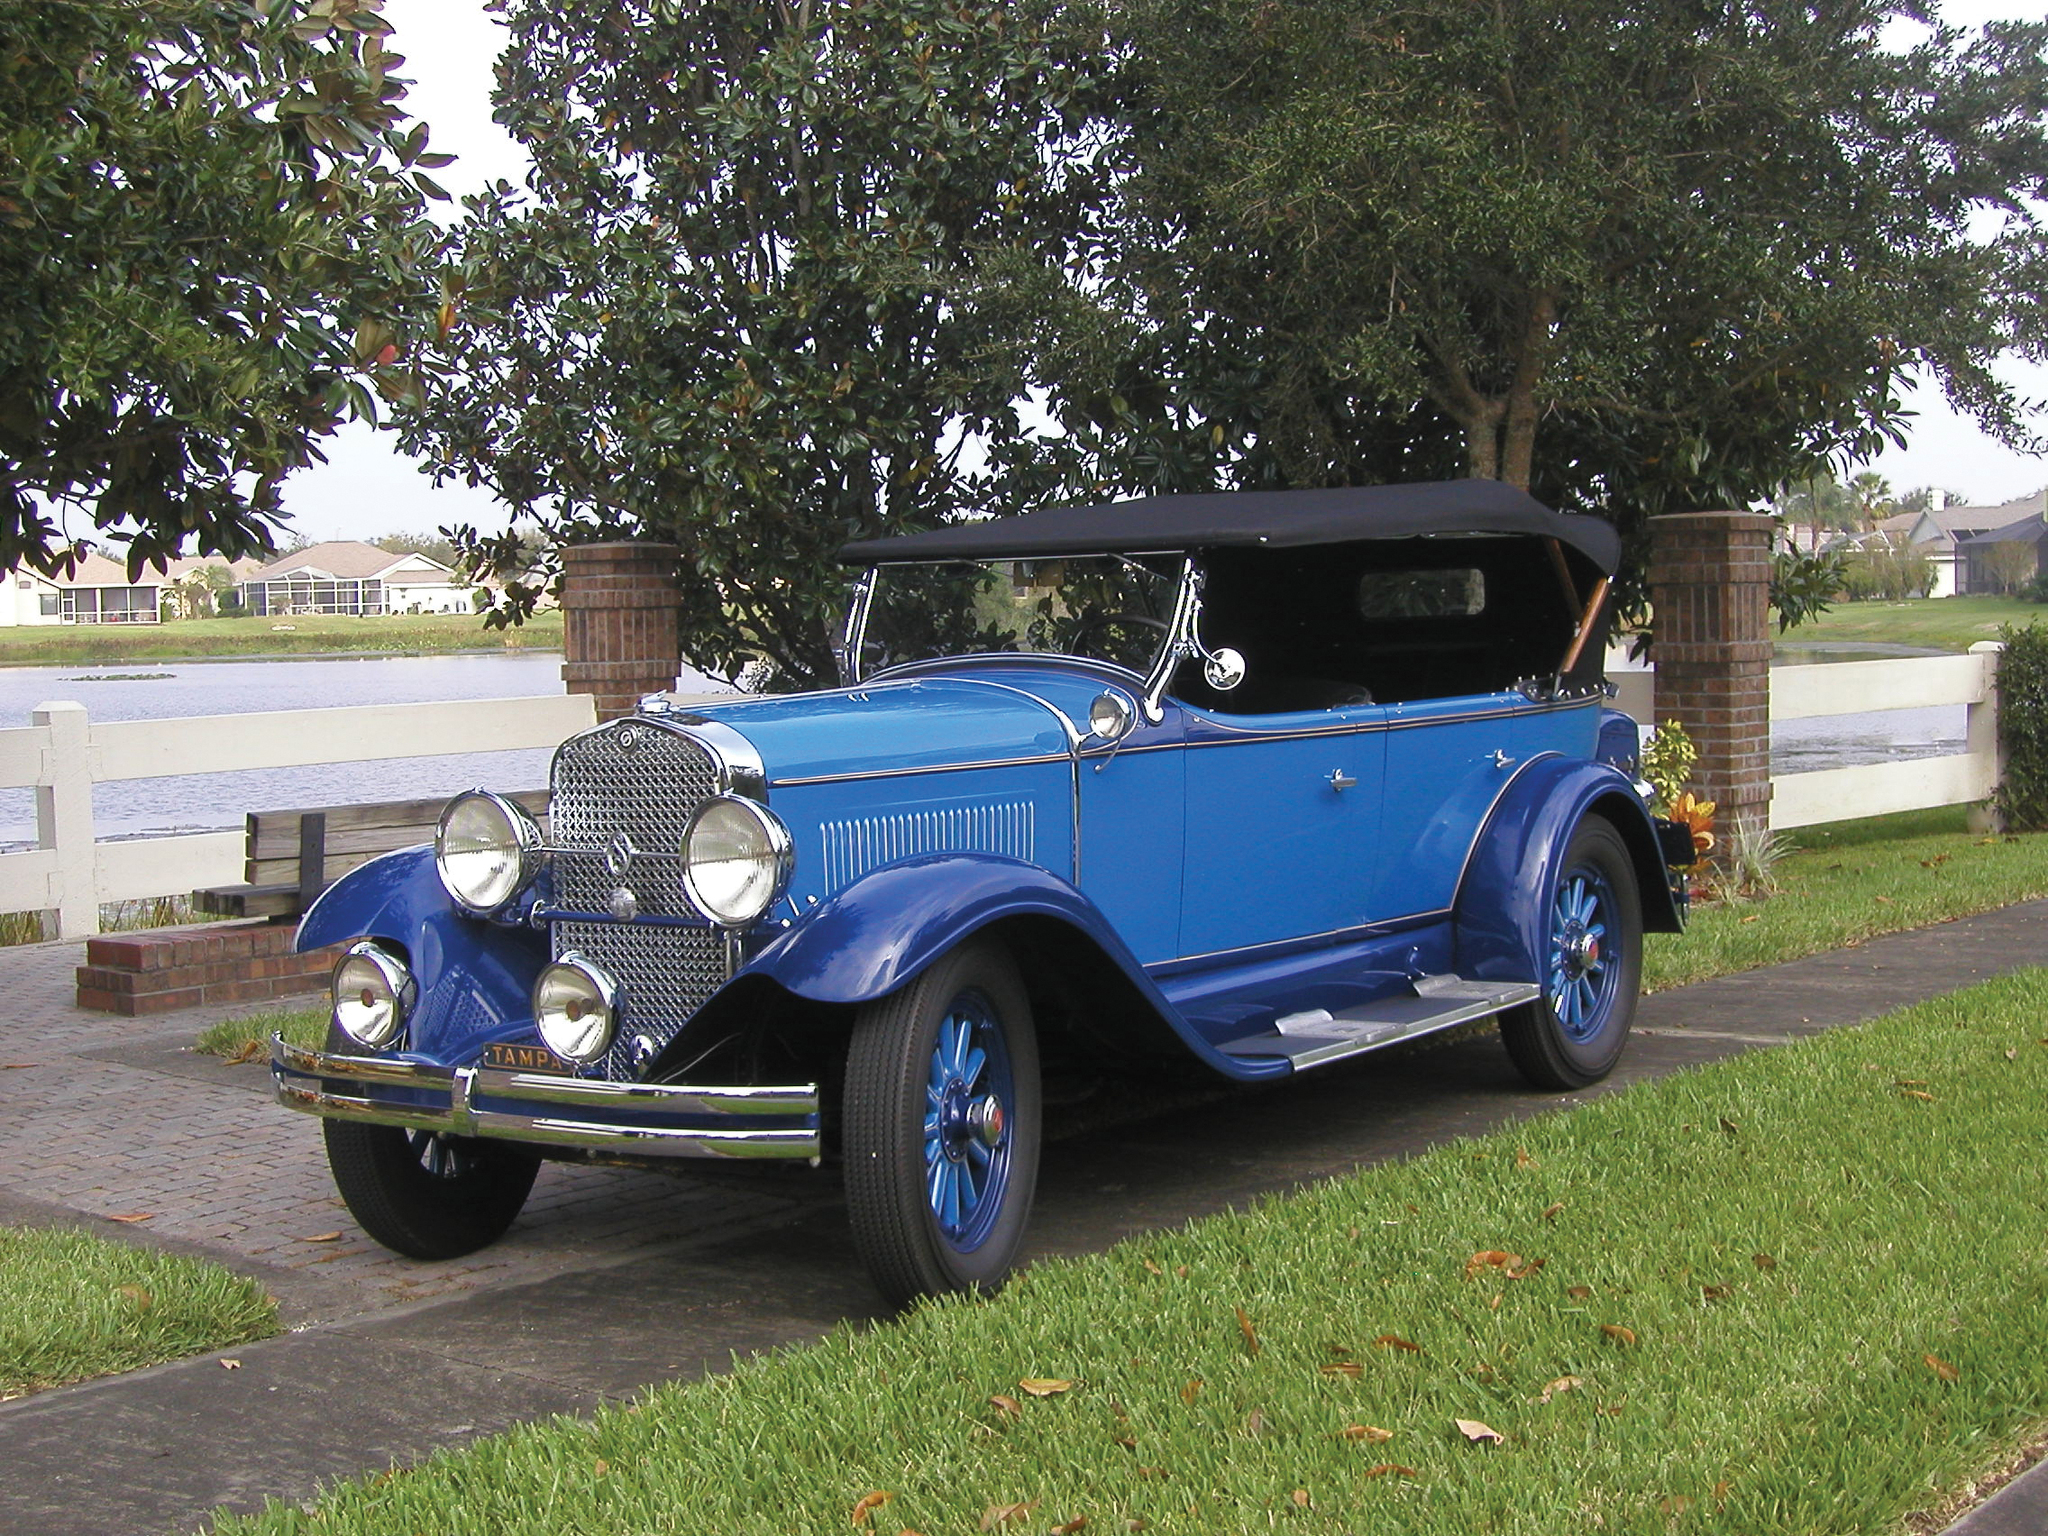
point(899, 773)
point(1074, 734)
point(465, 1085)
point(1277, 948)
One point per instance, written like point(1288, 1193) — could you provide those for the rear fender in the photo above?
point(1502, 920)
point(871, 937)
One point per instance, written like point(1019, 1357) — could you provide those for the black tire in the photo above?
point(426, 1195)
point(899, 1168)
point(1574, 1034)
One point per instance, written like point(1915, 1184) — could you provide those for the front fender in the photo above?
point(475, 977)
point(1502, 921)
point(871, 937)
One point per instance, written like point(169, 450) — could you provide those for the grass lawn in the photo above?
point(248, 1038)
point(73, 1305)
point(1796, 1292)
point(1849, 881)
point(398, 634)
point(1951, 623)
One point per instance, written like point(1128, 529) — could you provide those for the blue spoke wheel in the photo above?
point(1589, 965)
point(941, 1123)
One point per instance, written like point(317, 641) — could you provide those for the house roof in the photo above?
point(353, 560)
point(1275, 518)
point(1961, 522)
point(2027, 530)
point(95, 570)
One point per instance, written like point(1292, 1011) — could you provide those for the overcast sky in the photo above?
point(368, 489)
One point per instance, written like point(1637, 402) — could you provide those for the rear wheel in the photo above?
point(1592, 967)
point(427, 1195)
point(942, 1108)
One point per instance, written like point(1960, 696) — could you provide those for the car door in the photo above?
point(1130, 822)
point(1283, 812)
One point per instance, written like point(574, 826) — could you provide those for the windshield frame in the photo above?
point(1173, 645)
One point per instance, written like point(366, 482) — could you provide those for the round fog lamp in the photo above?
point(486, 850)
point(736, 859)
point(576, 1008)
point(373, 992)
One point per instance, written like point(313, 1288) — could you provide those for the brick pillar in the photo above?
point(1710, 587)
point(619, 622)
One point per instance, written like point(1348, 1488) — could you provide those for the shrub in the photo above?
point(1887, 574)
point(2022, 797)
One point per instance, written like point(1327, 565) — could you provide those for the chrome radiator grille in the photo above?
point(663, 973)
point(622, 796)
point(618, 803)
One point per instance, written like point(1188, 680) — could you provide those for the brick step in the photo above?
point(207, 963)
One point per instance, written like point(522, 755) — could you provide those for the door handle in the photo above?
point(1501, 759)
point(1341, 781)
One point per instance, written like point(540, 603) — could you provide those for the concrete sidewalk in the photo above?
point(614, 1279)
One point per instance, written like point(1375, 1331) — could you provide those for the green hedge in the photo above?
point(2022, 797)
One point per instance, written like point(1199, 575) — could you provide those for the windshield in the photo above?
point(1112, 608)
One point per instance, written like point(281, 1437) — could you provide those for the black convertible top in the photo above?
point(1277, 518)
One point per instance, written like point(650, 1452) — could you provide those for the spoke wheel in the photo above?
point(1591, 967)
point(423, 1194)
point(942, 1127)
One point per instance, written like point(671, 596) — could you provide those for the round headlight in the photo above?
point(576, 1007)
point(736, 859)
point(486, 848)
point(373, 992)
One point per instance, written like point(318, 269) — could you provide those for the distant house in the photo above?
point(97, 591)
point(347, 576)
point(1961, 541)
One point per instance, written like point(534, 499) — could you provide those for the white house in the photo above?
point(1942, 533)
point(97, 591)
point(347, 576)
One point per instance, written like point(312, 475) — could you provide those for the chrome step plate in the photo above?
point(1317, 1037)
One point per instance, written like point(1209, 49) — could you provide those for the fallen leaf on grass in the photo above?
point(2012, 1055)
point(1561, 1385)
point(603, 1468)
point(1478, 1433)
point(1527, 1269)
point(1003, 1514)
point(1942, 1368)
point(248, 1052)
point(1730, 1126)
point(1492, 1257)
point(1300, 1497)
point(1917, 1093)
point(133, 1216)
point(1069, 1527)
point(231, 1365)
point(1754, 917)
point(1717, 1292)
point(23, 1066)
point(1883, 901)
point(1550, 1211)
point(1763, 1261)
point(1006, 1405)
point(1349, 1368)
point(1154, 1268)
point(322, 1237)
point(137, 1294)
point(1395, 1341)
point(1371, 1434)
point(1244, 1326)
point(1620, 1335)
point(1578, 1292)
point(1045, 1386)
point(1674, 1504)
point(1191, 1391)
point(1255, 1423)
point(1524, 1160)
point(1390, 1466)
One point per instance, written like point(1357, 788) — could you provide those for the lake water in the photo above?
point(162, 690)
point(165, 690)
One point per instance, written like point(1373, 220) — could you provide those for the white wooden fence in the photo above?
point(64, 753)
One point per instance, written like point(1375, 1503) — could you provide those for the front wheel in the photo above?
point(426, 1195)
point(1592, 967)
point(942, 1127)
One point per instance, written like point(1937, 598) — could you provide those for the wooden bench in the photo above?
point(295, 855)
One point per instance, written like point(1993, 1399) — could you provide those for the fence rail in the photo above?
point(63, 753)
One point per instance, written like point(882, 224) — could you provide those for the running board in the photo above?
point(1319, 1037)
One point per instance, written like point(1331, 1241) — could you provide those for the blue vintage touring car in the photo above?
point(1246, 783)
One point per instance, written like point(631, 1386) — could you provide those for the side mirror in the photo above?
point(1223, 670)
point(1109, 717)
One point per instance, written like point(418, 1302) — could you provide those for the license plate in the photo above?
point(525, 1058)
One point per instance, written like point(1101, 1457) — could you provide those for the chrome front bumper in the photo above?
point(640, 1119)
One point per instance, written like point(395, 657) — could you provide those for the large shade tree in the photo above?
point(211, 253)
point(1641, 256)
point(771, 287)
